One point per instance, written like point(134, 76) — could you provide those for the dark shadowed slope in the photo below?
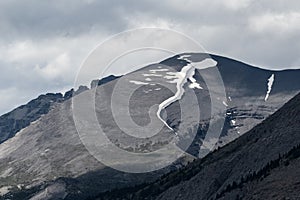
point(236, 74)
point(262, 164)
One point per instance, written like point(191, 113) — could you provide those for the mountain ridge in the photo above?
point(54, 151)
point(4, 135)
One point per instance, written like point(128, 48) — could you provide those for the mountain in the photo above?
point(178, 98)
point(21, 117)
point(264, 163)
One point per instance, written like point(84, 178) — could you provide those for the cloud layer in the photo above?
point(43, 43)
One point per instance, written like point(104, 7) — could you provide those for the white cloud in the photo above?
point(236, 4)
point(58, 68)
point(276, 23)
point(33, 67)
point(148, 22)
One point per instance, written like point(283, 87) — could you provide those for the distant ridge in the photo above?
point(22, 116)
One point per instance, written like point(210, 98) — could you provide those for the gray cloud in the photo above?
point(40, 19)
point(42, 43)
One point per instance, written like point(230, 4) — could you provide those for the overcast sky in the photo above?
point(43, 43)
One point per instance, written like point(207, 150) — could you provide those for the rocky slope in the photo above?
point(264, 163)
point(21, 117)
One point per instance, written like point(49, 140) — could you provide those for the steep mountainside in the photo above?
point(22, 116)
point(262, 164)
point(45, 155)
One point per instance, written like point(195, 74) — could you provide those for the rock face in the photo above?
point(47, 150)
point(107, 79)
point(264, 163)
point(22, 116)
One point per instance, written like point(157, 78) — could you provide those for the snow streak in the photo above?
point(187, 72)
point(270, 84)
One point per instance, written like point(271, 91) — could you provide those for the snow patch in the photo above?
point(183, 57)
point(194, 83)
point(180, 78)
point(148, 79)
point(208, 62)
point(139, 82)
point(270, 84)
point(20, 186)
point(233, 122)
point(224, 103)
point(158, 70)
point(157, 75)
point(171, 75)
